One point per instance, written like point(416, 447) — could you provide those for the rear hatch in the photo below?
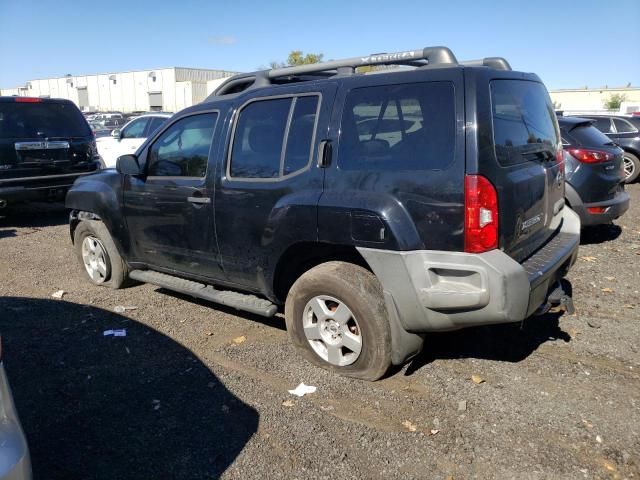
point(527, 170)
point(594, 162)
point(43, 137)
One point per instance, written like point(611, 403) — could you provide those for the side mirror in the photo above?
point(115, 133)
point(128, 165)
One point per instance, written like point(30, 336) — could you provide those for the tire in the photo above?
point(631, 167)
point(336, 285)
point(110, 269)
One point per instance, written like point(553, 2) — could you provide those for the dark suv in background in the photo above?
point(374, 208)
point(594, 172)
point(625, 132)
point(45, 145)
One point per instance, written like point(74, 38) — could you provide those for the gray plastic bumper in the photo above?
point(439, 290)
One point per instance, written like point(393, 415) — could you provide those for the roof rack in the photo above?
point(423, 57)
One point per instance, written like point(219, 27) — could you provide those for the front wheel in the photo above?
point(336, 316)
point(631, 167)
point(98, 255)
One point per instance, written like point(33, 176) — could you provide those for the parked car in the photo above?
point(15, 463)
point(624, 131)
point(277, 190)
point(127, 140)
point(594, 172)
point(45, 144)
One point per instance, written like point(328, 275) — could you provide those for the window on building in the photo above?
point(398, 127)
point(183, 149)
point(257, 150)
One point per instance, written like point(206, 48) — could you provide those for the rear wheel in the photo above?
point(98, 255)
point(631, 167)
point(336, 316)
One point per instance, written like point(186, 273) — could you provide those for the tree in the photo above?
point(297, 57)
point(614, 101)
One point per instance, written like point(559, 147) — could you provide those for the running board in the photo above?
point(248, 303)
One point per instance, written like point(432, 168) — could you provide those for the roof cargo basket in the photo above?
point(423, 57)
point(415, 58)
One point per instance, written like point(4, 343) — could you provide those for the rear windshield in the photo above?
point(33, 120)
point(586, 135)
point(524, 122)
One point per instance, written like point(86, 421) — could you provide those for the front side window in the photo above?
point(398, 127)
point(183, 149)
point(135, 129)
point(155, 124)
point(260, 149)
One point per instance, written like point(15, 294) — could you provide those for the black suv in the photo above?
point(625, 132)
point(594, 171)
point(374, 207)
point(45, 144)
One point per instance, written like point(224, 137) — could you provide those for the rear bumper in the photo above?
point(436, 290)
point(615, 208)
point(38, 188)
point(15, 463)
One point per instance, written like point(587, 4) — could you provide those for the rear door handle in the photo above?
point(199, 199)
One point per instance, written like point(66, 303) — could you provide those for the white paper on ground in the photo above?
point(58, 294)
point(302, 389)
point(116, 333)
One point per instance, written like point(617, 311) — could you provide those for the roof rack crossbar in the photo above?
point(499, 63)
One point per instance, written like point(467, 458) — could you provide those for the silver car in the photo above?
point(15, 463)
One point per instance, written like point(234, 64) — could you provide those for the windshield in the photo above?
point(524, 121)
point(42, 119)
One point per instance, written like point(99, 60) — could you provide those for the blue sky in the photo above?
point(568, 43)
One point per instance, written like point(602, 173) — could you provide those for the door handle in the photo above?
point(199, 199)
point(324, 153)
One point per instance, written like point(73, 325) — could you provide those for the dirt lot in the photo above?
point(195, 391)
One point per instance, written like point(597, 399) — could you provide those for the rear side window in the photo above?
point(586, 135)
point(524, 121)
point(398, 127)
point(41, 119)
point(135, 129)
point(274, 138)
point(183, 149)
point(622, 126)
point(603, 124)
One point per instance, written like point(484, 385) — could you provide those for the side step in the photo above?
point(248, 303)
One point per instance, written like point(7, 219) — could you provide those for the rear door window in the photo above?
point(524, 122)
point(274, 137)
point(622, 126)
point(135, 129)
point(41, 119)
point(398, 127)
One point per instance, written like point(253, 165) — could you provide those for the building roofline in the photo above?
point(592, 89)
point(231, 73)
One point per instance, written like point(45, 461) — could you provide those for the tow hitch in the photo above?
point(558, 300)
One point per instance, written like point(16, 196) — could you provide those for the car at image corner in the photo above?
point(625, 132)
point(15, 463)
point(594, 172)
point(373, 208)
point(45, 145)
point(129, 138)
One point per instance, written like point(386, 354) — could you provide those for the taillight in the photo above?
point(597, 210)
point(28, 100)
point(480, 215)
point(589, 156)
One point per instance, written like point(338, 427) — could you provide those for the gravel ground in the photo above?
point(196, 391)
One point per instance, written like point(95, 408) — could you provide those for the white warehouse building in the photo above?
point(163, 89)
